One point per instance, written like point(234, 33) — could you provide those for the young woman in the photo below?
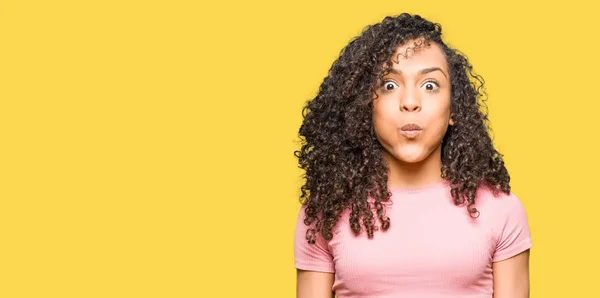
point(405, 194)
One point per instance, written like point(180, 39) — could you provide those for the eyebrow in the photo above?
point(422, 71)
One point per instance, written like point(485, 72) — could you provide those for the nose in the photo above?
point(410, 101)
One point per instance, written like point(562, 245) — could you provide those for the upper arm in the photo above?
point(510, 267)
point(314, 264)
point(511, 276)
point(313, 284)
point(512, 229)
point(311, 257)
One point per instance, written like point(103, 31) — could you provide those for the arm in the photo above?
point(312, 284)
point(511, 277)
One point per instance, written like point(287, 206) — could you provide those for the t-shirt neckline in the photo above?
point(442, 184)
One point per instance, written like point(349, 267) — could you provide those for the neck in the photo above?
point(414, 175)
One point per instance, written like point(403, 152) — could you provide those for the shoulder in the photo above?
point(505, 215)
point(315, 256)
point(307, 231)
point(500, 210)
point(500, 203)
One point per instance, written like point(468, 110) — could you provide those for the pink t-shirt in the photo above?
point(433, 248)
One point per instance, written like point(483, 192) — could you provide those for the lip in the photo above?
point(411, 130)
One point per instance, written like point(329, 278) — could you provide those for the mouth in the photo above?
point(411, 130)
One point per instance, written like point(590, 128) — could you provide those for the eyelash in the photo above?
point(390, 81)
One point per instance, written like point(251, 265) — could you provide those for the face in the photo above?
point(412, 111)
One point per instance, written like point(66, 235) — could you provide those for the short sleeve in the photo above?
point(514, 235)
point(312, 257)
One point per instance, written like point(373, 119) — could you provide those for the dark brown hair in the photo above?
point(340, 154)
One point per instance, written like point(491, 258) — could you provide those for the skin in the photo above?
point(511, 277)
point(417, 91)
point(311, 284)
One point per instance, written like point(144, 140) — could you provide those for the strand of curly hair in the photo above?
point(341, 156)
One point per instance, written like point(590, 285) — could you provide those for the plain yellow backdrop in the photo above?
point(147, 146)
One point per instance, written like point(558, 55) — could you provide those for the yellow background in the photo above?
point(146, 147)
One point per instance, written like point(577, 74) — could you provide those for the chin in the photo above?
point(409, 156)
point(410, 159)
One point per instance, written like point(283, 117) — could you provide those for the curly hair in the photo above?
point(341, 156)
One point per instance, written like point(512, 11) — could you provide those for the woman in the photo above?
point(405, 194)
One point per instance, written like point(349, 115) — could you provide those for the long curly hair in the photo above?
point(343, 160)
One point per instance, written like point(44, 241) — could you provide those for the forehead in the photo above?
point(418, 54)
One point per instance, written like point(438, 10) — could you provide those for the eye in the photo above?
point(431, 86)
point(389, 85)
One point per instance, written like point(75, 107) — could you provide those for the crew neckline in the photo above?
point(442, 184)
